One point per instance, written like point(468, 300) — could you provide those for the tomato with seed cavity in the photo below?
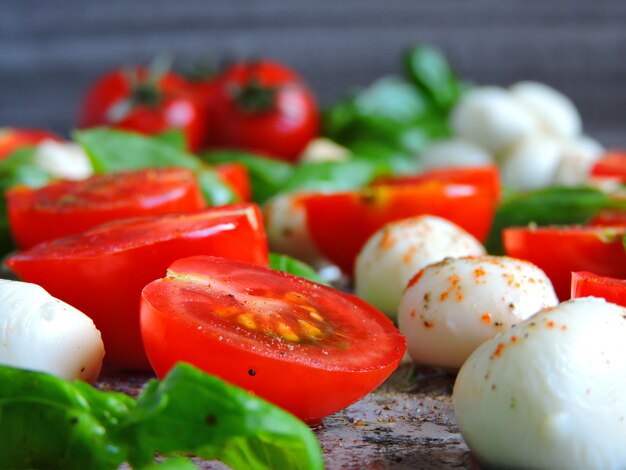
point(612, 165)
point(586, 284)
point(237, 176)
point(306, 347)
point(67, 208)
point(12, 139)
point(561, 250)
point(341, 223)
point(102, 271)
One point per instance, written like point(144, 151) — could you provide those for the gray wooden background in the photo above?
point(51, 50)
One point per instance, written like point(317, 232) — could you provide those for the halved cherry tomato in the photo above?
point(341, 223)
point(136, 100)
point(13, 139)
point(237, 176)
point(561, 250)
point(609, 218)
point(70, 207)
point(612, 165)
point(308, 348)
point(265, 107)
point(486, 176)
point(102, 272)
point(586, 284)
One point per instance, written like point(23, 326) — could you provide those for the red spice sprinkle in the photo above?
point(413, 313)
point(498, 351)
point(486, 318)
point(428, 324)
point(414, 280)
point(550, 324)
point(459, 296)
point(478, 273)
point(564, 327)
point(513, 339)
point(387, 241)
point(443, 296)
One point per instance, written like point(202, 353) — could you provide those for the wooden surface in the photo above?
point(50, 51)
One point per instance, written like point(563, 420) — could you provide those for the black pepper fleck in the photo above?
point(251, 372)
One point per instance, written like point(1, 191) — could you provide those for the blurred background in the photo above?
point(51, 51)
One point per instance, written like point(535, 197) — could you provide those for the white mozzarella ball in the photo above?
point(532, 164)
point(577, 157)
point(492, 118)
point(323, 149)
point(64, 160)
point(555, 112)
point(393, 255)
point(549, 393)
point(454, 152)
point(451, 307)
point(40, 332)
point(287, 231)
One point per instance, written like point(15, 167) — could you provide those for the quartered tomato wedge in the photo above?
point(561, 250)
point(487, 177)
point(308, 348)
point(586, 284)
point(612, 165)
point(102, 272)
point(237, 176)
point(71, 207)
point(341, 223)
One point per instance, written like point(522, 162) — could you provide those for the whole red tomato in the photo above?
point(149, 103)
point(263, 107)
point(12, 139)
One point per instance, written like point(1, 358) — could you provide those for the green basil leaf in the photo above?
point(204, 416)
point(113, 150)
point(334, 176)
point(551, 206)
point(267, 176)
point(174, 138)
point(296, 267)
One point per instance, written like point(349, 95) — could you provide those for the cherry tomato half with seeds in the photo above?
point(12, 139)
point(305, 347)
point(586, 284)
point(264, 107)
point(102, 271)
point(67, 208)
point(341, 223)
point(138, 100)
point(561, 250)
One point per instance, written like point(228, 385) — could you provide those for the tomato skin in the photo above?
point(341, 223)
point(102, 272)
point(586, 284)
point(283, 130)
point(561, 250)
point(612, 165)
point(237, 176)
point(486, 176)
point(67, 208)
point(181, 321)
point(114, 100)
point(12, 139)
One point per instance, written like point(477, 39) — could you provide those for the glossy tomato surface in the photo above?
point(237, 176)
point(559, 251)
point(264, 107)
point(70, 207)
point(586, 284)
point(102, 272)
point(341, 223)
point(12, 139)
point(134, 100)
point(308, 348)
point(612, 165)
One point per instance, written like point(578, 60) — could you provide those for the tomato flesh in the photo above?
point(237, 176)
point(612, 165)
point(70, 207)
point(341, 223)
point(559, 251)
point(308, 348)
point(586, 284)
point(102, 271)
point(13, 139)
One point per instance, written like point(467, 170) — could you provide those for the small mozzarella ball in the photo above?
point(451, 307)
point(492, 118)
point(577, 157)
point(392, 256)
point(555, 112)
point(549, 393)
point(287, 231)
point(532, 164)
point(40, 332)
point(454, 152)
point(64, 160)
point(322, 149)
